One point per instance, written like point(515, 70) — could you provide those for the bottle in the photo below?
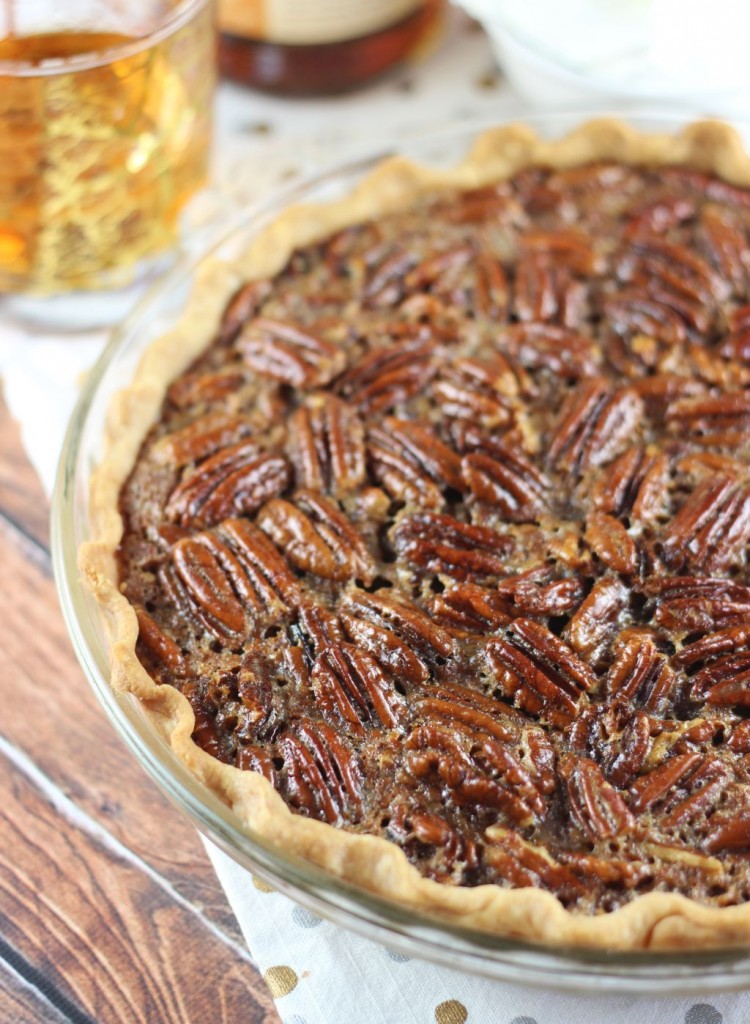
point(314, 47)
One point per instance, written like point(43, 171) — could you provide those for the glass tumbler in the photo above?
point(105, 125)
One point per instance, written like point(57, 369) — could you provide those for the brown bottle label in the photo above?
point(310, 22)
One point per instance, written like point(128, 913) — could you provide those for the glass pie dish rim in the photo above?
point(407, 930)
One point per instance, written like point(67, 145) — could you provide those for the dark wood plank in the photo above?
point(22, 1002)
point(52, 726)
point(50, 713)
point(23, 505)
point(111, 941)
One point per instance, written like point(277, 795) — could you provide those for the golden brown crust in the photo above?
point(652, 921)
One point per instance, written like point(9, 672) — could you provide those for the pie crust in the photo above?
point(652, 921)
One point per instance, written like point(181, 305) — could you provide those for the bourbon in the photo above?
point(295, 47)
point(103, 138)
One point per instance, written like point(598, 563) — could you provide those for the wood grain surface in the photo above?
point(109, 909)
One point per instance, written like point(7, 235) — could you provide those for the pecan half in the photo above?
point(467, 606)
point(725, 244)
point(732, 834)
point(641, 675)
point(440, 543)
point(315, 629)
point(322, 776)
point(611, 542)
point(617, 736)
point(544, 293)
point(459, 855)
point(404, 640)
point(350, 686)
point(412, 463)
point(391, 652)
point(157, 641)
point(595, 425)
point(316, 537)
point(385, 284)
point(206, 388)
point(230, 577)
point(687, 604)
point(631, 312)
point(596, 808)
point(540, 346)
point(541, 672)
point(268, 570)
point(469, 751)
point(714, 421)
point(725, 682)
point(243, 305)
point(257, 759)
point(715, 645)
point(736, 345)
point(235, 481)
point(326, 446)
point(477, 390)
point(711, 528)
point(207, 569)
point(655, 787)
point(696, 794)
point(590, 630)
point(290, 353)
point(522, 864)
point(634, 485)
point(439, 271)
point(540, 592)
point(488, 202)
point(658, 215)
point(491, 293)
point(201, 438)
point(680, 270)
point(594, 179)
point(387, 377)
point(573, 249)
point(498, 474)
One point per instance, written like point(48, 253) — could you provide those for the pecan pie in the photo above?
point(433, 560)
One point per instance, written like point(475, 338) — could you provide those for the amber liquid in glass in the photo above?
point(96, 162)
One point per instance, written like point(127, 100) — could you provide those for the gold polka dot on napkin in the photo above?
point(281, 980)
point(451, 1012)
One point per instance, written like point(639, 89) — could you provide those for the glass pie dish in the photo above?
point(405, 929)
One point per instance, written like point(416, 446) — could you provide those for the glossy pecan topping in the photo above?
point(322, 777)
point(497, 473)
point(412, 463)
point(447, 534)
point(596, 808)
point(236, 480)
point(290, 353)
point(326, 442)
point(441, 543)
point(316, 537)
point(350, 686)
point(478, 390)
point(594, 425)
point(386, 377)
point(539, 670)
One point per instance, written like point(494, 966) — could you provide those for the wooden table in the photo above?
point(109, 909)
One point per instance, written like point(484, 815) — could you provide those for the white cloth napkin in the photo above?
point(318, 973)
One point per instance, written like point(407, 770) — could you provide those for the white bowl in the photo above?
point(549, 84)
